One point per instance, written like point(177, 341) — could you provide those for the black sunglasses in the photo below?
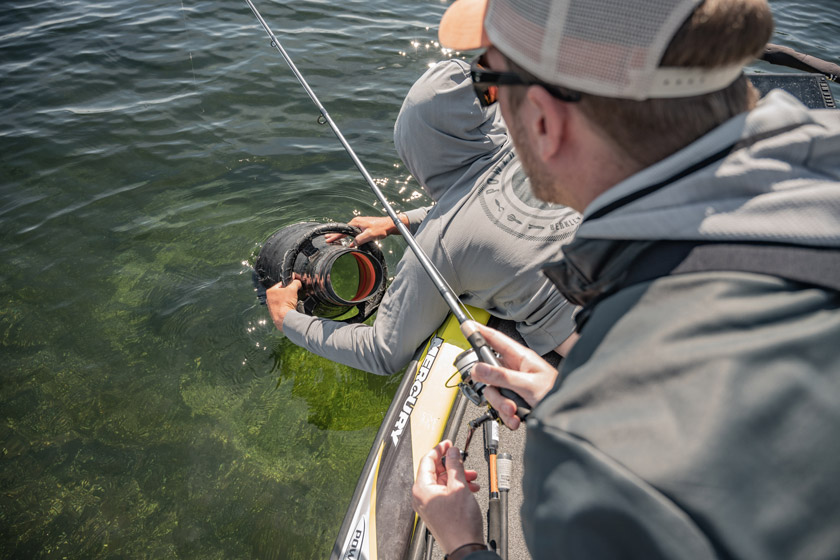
point(486, 84)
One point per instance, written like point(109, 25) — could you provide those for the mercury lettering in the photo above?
point(416, 389)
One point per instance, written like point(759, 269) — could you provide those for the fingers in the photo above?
point(373, 229)
point(282, 299)
point(442, 448)
point(519, 382)
point(278, 290)
point(368, 233)
point(526, 373)
point(430, 465)
point(455, 476)
point(366, 236)
point(512, 353)
point(471, 476)
point(360, 221)
point(333, 237)
point(504, 406)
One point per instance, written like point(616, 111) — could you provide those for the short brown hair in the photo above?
point(718, 33)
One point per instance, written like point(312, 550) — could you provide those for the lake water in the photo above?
point(149, 409)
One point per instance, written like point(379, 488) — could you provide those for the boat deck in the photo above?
point(512, 442)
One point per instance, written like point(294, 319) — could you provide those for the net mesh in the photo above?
point(605, 47)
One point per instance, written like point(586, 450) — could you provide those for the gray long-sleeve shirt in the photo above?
point(487, 235)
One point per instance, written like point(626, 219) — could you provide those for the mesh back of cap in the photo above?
point(604, 47)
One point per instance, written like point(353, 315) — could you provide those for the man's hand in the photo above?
point(525, 373)
point(281, 300)
point(442, 497)
point(373, 229)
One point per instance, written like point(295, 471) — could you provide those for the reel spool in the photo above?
point(338, 282)
point(473, 390)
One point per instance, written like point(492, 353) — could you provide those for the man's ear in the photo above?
point(547, 122)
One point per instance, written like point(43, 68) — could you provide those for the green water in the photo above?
point(138, 424)
point(149, 408)
point(345, 277)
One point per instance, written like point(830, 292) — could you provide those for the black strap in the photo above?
point(816, 266)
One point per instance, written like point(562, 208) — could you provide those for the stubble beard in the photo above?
point(542, 183)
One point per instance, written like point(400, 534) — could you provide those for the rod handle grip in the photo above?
point(494, 523)
point(486, 355)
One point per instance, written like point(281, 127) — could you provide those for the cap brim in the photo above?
point(462, 26)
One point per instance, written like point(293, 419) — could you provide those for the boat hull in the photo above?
point(380, 522)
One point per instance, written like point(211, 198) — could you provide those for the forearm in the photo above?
point(410, 311)
point(413, 218)
point(355, 346)
point(404, 218)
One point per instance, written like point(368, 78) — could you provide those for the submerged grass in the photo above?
point(163, 417)
point(176, 462)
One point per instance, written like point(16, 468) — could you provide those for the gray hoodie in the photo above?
point(778, 187)
point(697, 415)
point(487, 234)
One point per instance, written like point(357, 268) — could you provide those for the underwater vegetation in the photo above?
point(151, 410)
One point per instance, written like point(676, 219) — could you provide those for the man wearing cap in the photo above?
point(697, 415)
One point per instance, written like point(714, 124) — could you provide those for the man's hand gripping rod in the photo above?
point(473, 391)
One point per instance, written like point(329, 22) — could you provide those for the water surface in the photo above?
point(149, 408)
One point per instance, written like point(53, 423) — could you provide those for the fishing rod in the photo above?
point(504, 466)
point(481, 350)
point(494, 513)
point(471, 389)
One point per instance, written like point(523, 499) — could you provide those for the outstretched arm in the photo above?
point(410, 311)
point(373, 228)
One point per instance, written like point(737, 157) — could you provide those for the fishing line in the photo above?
point(472, 390)
point(443, 287)
point(186, 26)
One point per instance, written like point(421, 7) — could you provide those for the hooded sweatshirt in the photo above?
point(697, 415)
point(486, 234)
